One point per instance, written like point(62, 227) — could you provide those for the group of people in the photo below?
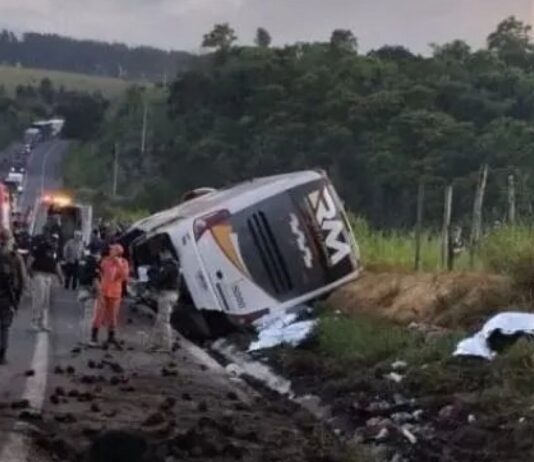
point(100, 273)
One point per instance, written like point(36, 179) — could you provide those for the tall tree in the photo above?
point(511, 41)
point(344, 40)
point(263, 38)
point(221, 37)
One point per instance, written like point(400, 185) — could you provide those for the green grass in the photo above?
point(395, 250)
point(11, 77)
point(371, 344)
point(370, 340)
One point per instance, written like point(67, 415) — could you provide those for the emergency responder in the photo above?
point(89, 290)
point(43, 267)
point(114, 272)
point(164, 278)
point(72, 254)
point(12, 283)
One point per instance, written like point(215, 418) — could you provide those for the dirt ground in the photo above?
point(132, 406)
point(407, 421)
point(446, 299)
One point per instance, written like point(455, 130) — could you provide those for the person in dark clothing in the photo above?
point(12, 280)
point(97, 244)
point(164, 279)
point(43, 266)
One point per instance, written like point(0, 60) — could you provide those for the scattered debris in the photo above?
point(393, 376)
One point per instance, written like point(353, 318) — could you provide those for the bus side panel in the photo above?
point(236, 291)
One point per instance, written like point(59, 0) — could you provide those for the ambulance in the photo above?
point(61, 210)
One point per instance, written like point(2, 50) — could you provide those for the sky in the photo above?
point(180, 24)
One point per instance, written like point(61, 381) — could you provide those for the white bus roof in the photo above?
point(259, 188)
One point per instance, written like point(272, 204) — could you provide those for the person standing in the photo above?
point(73, 253)
point(89, 289)
point(114, 272)
point(164, 279)
point(97, 244)
point(12, 282)
point(43, 267)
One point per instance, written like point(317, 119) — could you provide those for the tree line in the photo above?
point(51, 51)
point(382, 124)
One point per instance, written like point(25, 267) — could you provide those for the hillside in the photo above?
point(55, 52)
point(11, 77)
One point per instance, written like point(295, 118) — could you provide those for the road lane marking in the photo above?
point(16, 448)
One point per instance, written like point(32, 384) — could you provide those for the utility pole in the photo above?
point(143, 130)
point(445, 232)
point(476, 230)
point(511, 199)
point(419, 222)
point(116, 154)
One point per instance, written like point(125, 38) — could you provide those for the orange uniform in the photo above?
point(114, 272)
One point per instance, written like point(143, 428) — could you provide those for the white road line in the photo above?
point(16, 448)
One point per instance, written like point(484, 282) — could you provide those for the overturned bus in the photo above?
point(263, 245)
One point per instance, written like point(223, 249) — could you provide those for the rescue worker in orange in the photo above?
point(114, 272)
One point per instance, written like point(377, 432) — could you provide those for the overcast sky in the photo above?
point(180, 24)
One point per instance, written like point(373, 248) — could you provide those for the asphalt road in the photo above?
point(30, 351)
point(54, 400)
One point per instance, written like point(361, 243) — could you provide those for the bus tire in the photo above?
point(190, 322)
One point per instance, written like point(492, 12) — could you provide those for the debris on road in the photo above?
point(502, 329)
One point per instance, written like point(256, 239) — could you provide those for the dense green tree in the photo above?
point(379, 124)
point(221, 37)
point(263, 38)
point(344, 40)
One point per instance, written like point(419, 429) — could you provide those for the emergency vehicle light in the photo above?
point(60, 201)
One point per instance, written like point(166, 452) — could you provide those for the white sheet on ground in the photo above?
point(280, 328)
point(508, 323)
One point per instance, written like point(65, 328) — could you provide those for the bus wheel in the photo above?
point(219, 324)
point(190, 322)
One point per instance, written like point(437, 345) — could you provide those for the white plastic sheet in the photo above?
point(281, 328)
point(509, 323)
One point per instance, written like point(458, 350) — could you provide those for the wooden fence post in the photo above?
point(419, 222)
point(476, 229)
point(511, 199)
point(445, 232)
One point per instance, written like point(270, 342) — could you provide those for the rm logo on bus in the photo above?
point(326, 215)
